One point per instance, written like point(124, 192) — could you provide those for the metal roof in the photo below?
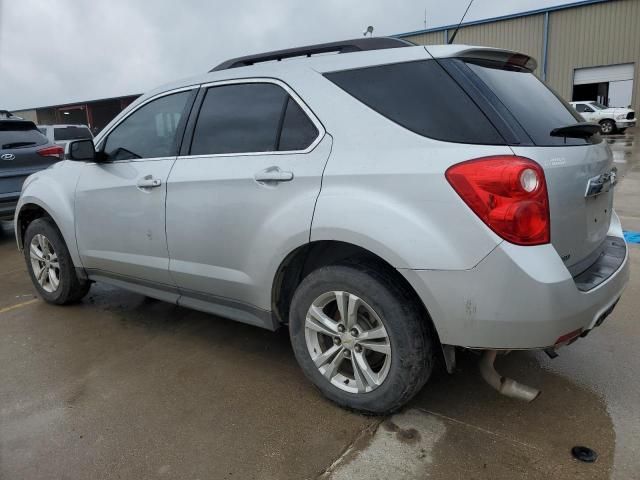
point(78, 103)
point(503, 17)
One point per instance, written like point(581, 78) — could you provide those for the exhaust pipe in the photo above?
point(506, 386)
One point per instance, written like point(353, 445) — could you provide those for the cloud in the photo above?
point(61, 51)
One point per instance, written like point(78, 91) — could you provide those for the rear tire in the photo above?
point(384, 354)
point(607, 127)
point(50, 266)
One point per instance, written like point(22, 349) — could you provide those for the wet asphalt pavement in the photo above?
point(122, 386)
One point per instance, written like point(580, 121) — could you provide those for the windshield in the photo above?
point(598, 106)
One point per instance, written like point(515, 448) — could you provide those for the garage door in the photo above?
point(610, 73)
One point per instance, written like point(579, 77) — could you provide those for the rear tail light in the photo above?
point(508, 193)
point(55, 151)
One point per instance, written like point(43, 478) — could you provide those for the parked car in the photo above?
point(611, 119)
point(23, 151)
point(62, 134)
point(7, 115)
point(387, 203)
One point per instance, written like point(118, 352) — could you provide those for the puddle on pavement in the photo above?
point(489, 436)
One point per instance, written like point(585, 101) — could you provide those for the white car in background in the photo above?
point(611, 119)
point(62, 134)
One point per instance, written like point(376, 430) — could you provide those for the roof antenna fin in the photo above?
point(455, 32)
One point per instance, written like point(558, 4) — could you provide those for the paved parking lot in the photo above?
point(122, 386)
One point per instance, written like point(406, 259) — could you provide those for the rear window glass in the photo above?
point(421, 97)
point(71, 133)
point(537, 108)
point(298, 132)
point(16, 134)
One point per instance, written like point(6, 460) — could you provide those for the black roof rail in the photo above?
point(346, 46)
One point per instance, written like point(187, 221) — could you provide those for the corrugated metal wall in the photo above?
point(524, 34)
point(585, 36)
point(601, 34)
point(432, 38)
point(27, 115)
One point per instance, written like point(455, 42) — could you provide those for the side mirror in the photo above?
point(82, 150)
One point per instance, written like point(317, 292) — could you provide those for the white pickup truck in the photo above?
point(611, 119)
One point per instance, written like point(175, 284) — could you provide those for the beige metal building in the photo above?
point(589, 50)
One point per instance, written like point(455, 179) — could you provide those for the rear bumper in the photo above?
point(516, 298)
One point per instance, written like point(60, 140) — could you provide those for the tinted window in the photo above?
point(421, 97)
point(532, 103)
point(150, 131)
point(580, 107)
point(298, 132)
point(17, 134)
point(71, 133)
point(239, 118)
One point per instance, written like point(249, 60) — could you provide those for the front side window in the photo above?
point(149, 132)
point(250, 118)
point(581, 107)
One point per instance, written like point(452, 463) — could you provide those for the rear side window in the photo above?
point(19, 134)
point(538, 109)
point(71, 133)
point(298, 132)
point(250, 118)
point(421, 97)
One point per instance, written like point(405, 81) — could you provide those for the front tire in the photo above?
point(607, 127)
point(361, 338)
point(50, 266)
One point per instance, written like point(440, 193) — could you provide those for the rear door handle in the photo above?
point(273, 174)
point(149, 181)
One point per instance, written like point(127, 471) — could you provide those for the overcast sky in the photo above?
point(59, 51)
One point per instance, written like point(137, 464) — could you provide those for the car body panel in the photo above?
point(579, 224)
point(53, 190)
point(120, 227)
point(529, 304)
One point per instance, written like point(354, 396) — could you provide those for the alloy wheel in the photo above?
point(348, 342)
point(45, 263)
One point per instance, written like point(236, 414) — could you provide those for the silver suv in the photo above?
point(389, 203)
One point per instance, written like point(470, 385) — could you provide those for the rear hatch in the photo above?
point(526, 112)
point(23, 151)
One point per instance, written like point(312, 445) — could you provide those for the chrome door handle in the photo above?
point(273, 174)
point(149, 181)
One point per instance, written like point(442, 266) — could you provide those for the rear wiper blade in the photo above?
point(577, 130)
point(18, 144)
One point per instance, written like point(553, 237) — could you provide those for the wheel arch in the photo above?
point(30, 209)
point(28, 213)
point(306, 258)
